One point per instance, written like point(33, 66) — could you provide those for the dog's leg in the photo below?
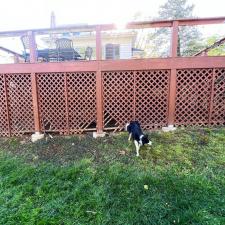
point(149, 143)
point(126, 126)
point(137, 147)
point(129, 137)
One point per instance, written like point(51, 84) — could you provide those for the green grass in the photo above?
point(80, 180)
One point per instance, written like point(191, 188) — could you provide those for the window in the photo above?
point(112, 51)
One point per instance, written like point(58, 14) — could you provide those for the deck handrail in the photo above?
point(129, 25)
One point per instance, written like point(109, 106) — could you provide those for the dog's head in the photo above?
point(132, 125)
point(144, 140)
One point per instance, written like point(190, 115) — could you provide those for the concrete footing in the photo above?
point(96, 134)
point(36, 136)
point(169, 128)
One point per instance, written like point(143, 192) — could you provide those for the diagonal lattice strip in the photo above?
point(118, 98)
point(20, 103)
point(218, 113)
point(193, 96)
point(52, 101)
point(152, 88)
point(81, 101)
point(3, 110)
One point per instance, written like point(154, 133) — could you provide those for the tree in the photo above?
point(218, 51)
point(175, 9)
point(189, 37)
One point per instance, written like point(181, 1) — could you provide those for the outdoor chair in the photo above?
point(26, 47)
point(65, 50)
point(88, 53)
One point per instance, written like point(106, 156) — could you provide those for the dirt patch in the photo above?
point(184, 146)
point(66, 149)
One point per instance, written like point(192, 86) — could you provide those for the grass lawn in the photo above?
point(78, 180)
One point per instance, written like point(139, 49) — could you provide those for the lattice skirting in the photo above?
point(67, 102)
point(16, 104)
point(193, 96)
point(199, 91)
point(136, 95)
point(218, 108)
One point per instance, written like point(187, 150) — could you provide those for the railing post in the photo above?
point(67, 106)
point(172, 97)
point(32, 45)
point(37, 126)
point(98, 43)
point(172, 80)
point(99, 96)
point(174, 39)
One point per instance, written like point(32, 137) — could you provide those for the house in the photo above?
point(115, 44)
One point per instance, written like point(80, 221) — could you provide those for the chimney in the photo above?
point(53, 22)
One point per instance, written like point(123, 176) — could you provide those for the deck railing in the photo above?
point(78, 96)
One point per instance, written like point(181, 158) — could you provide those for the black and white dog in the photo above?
point(135, 132)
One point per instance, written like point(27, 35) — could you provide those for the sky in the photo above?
point(32, 14)
point(28, 14)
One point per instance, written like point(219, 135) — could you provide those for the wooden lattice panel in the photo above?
point(81, 101)
point(118, 98)
point(20, 103)
point(193, 96)
point(152, 88)
point(218, 113)
point(52, 101)
point(3, 109)
point(135, 95)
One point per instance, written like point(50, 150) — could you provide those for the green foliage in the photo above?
point(218, 51)
point(80, 180)
point(176, 9)
point(189, 37)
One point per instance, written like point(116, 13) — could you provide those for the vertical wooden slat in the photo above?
point(67, 105)
point(99, 96)
point(174, 39)
point(7, 105)
point(35, 103)
point(134, 101)
point(99, 99)
point(211, 96)
point(98, 43)
point(172, 84)
point(172, 97)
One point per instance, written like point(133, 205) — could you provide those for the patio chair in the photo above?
point(88, 53)
point(26, 52)
point(65, 50)
point(26, 47)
